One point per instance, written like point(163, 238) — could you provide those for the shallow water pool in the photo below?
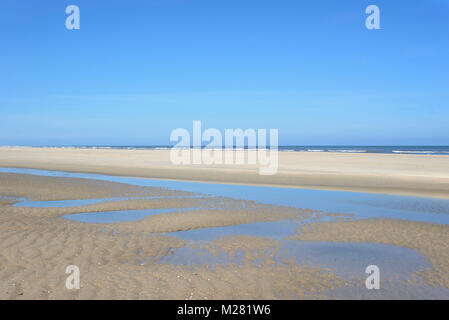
point(362, 205)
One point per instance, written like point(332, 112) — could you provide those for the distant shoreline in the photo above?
point(430, 150)
point(401, 174)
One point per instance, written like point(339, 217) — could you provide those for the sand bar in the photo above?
point(418, 175)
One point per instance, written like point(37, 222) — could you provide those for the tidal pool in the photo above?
point(348, 260)
point(362, 205)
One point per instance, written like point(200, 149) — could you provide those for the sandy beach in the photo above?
point(126, 260)
point(36, 245)
point(147, 258)
point(418, 175)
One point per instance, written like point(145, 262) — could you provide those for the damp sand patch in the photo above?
point(345, 260)
point(430, 240)
point(49, 188)
point(120, 216)
point(85, 202)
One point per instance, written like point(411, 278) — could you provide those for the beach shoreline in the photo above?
point(399, 174)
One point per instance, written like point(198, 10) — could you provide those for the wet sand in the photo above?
point(431, 240)
point(418, 175)
point(37, 244)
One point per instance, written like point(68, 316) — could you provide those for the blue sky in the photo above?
point(136, 70)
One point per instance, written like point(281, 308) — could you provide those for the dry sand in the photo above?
point(36, 245)
point(419, 175)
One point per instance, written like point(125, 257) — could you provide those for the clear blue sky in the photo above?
point(138, 69)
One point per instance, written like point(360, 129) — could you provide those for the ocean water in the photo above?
point(435, 150)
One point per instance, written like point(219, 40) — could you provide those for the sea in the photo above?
point(429, 150)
